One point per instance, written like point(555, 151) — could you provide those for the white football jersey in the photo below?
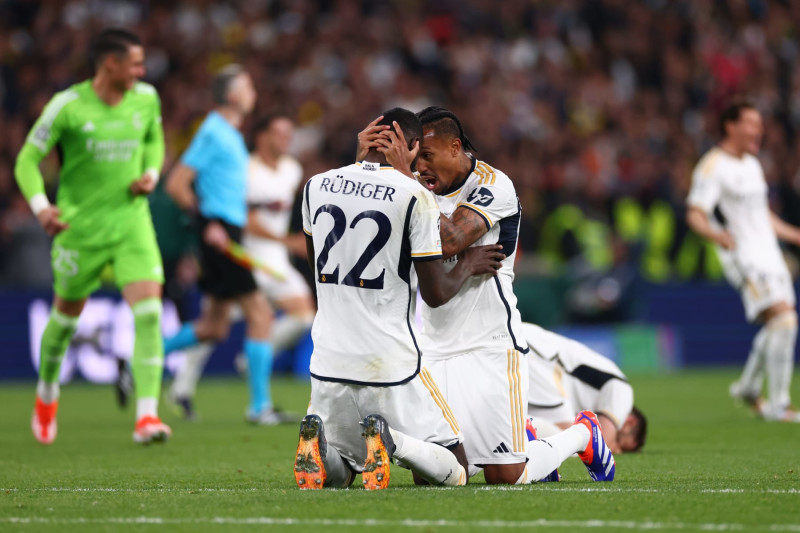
point(483, 315)
point(581, 377)
point(368, 223)
point(737, 187)
point(271, 192)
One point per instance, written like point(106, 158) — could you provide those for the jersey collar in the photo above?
point(457, 187)
point(372, 166)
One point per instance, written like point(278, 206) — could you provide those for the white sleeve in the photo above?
point(706, 188)
point(494, 199)
point(423, 228)
point(306, 208)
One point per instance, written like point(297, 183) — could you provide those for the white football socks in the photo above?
point(146, 407)
point(338, 474)
point(185, 382)
point(546, 455)
point(753, 374)
point(288, 329)
point(48, 392)
point(779, 356)
point(435, 463)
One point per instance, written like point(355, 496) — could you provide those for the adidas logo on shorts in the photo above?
point(501, 449)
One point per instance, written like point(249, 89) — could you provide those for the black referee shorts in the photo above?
point(220, 276)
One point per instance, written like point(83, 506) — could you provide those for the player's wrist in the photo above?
point(153, 174)
point(38, 203)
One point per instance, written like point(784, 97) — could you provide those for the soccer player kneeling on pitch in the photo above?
point(474, 338)
point(108, 130)
point(366, 225)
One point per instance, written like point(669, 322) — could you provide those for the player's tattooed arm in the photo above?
point(457, 234)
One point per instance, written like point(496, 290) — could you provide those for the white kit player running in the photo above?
point(728, 205)
point(366, 225)
point(567, 377)
point(472, 345)
point(273, 177)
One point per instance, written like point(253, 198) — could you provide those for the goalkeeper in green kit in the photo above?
point(111, 143)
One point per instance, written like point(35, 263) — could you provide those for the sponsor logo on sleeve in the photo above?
point(481, 197)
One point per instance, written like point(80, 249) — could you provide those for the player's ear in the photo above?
point(455, 146)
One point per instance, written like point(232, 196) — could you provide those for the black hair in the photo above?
point(111, 41)
point(445, 123)
point(264, 122)
point(641, 428)
point(733, 113)
point(408, 122)
point(221, 84)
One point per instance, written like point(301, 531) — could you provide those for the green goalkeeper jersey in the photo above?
point(103, 149)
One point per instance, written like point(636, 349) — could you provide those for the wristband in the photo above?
point(38, 203)
point(153, 173)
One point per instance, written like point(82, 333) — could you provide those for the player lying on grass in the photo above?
point(211, 180)
point(108, 130)
point(471, 344)
point(366, 226)
point(567, 377)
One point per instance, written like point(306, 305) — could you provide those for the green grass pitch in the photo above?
point(708, 466)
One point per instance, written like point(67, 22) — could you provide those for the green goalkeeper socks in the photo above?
point(148, 348)
point(55, 341)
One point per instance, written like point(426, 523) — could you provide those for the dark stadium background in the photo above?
point(596, 109)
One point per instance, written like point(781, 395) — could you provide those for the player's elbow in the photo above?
point(433, 297)
point(693, 216)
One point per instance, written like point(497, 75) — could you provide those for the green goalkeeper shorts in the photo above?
point(77, 270)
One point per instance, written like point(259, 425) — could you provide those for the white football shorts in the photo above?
point(762, 290)
point(488, 392)
point(294, 286)
point(417, 409)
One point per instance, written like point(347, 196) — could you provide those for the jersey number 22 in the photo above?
point(353, 278)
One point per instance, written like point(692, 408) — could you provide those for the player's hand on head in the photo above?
point(483, 259)
point(216, 236)
point(143, 186)
point(49, 219)
point(367, 138)
point(394, 146)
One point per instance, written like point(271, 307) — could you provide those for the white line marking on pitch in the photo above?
point(410, 523)
point(189, 490)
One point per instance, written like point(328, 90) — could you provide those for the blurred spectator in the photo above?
point(600, 107)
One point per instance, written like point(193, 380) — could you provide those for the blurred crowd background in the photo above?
point(596, 109)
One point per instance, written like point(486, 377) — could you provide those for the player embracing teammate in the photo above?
point(468, 357)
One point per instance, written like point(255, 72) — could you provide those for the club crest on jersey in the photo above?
point(481, 197)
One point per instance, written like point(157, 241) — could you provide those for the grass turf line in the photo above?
point(707, 465)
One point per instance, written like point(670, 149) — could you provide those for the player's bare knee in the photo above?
point(211, 330)
point(503, 474)
point(784, 318)
point(461, 456)
point(68, 307)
